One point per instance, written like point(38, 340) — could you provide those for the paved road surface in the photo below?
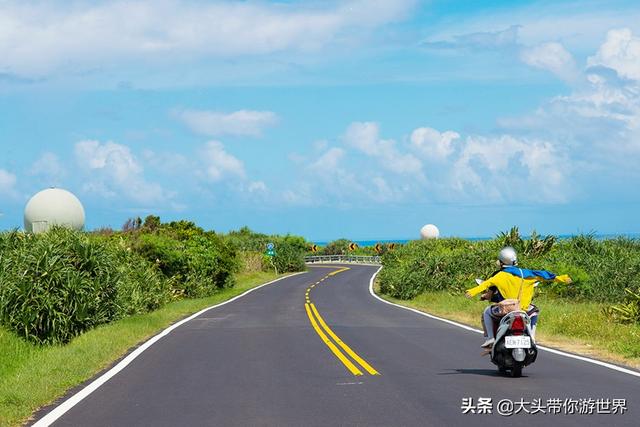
point(260, 361)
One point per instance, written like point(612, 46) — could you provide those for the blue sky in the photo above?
point(362, 119)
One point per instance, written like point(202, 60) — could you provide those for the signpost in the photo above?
point(271, 252)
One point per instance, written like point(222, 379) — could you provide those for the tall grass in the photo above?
point(56, 285)
point(602, 270)
point(289, 250)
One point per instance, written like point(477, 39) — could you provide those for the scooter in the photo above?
point(514, 346)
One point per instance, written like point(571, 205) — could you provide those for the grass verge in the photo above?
point(576, 327)
point(32, 376)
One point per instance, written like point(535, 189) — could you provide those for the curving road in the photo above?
point(285, 355)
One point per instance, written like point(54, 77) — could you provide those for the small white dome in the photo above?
point(429, 231)
point(53, 206)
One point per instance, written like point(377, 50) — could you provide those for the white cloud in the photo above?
point(337, 180)
point(37, 38)
point(301, 195)
point(113, 171)
point(600, 119)
point(365, 137)
point(478, 169)
point(257, 187)
point(320, 145)
point(506, 168)
point(220, 164)
point(117, 157)
point(329, 161)
point(326, 180)
point(49, 167)
point(167, 162)
point(552, 57)
point(578, 26)
point(382, 191)
point(330, 177)
point(498, 39)
point(620, 52)
point(7, 183)
point(296, 158)
point(433, 144)
point(213, 123)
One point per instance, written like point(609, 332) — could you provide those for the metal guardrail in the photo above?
point(352, 259)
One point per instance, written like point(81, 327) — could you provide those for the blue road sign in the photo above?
point(271, 250)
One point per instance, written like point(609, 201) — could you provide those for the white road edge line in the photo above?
point(65, 406)
point(469, 328)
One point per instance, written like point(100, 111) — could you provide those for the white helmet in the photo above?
point(508, 256)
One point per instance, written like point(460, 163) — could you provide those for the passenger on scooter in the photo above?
point(511, 282)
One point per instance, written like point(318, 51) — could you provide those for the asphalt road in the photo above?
point(260, 361)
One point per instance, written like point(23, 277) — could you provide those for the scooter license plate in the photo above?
point(520, 341)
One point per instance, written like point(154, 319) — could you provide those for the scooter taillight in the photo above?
point(517, 325)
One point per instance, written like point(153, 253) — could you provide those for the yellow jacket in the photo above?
point(509, 286)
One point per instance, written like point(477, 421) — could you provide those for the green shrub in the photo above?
point(247, 240)
point(196, 263)
point(432, 265)
point(252, 261)
point(534, 246)
point(56, 285)
point(290, 250)
point(289, 257)
point(141, 287)
point(211, 263)
point(336, 247)
point(628, 311)
point(164, 251)
point(601, 269)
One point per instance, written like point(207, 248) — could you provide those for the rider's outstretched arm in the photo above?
point(564, 278)
point(470, 293)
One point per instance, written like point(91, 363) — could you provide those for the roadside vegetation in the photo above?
point(597, 314)
point(73, 302)
point(602, 270)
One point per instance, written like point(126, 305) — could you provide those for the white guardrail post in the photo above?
point(352, 259)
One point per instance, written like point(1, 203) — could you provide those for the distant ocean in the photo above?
point(402, 241)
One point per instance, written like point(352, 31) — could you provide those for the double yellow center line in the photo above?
point(325, 333)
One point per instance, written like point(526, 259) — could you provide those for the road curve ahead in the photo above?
point(318, 349)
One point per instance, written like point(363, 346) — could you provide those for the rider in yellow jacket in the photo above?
point(509, 286)
point(512, 282)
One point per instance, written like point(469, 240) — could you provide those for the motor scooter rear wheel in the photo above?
point(516, 371)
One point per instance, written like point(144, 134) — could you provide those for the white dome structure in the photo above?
point(429, 231)
point(53, 206)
